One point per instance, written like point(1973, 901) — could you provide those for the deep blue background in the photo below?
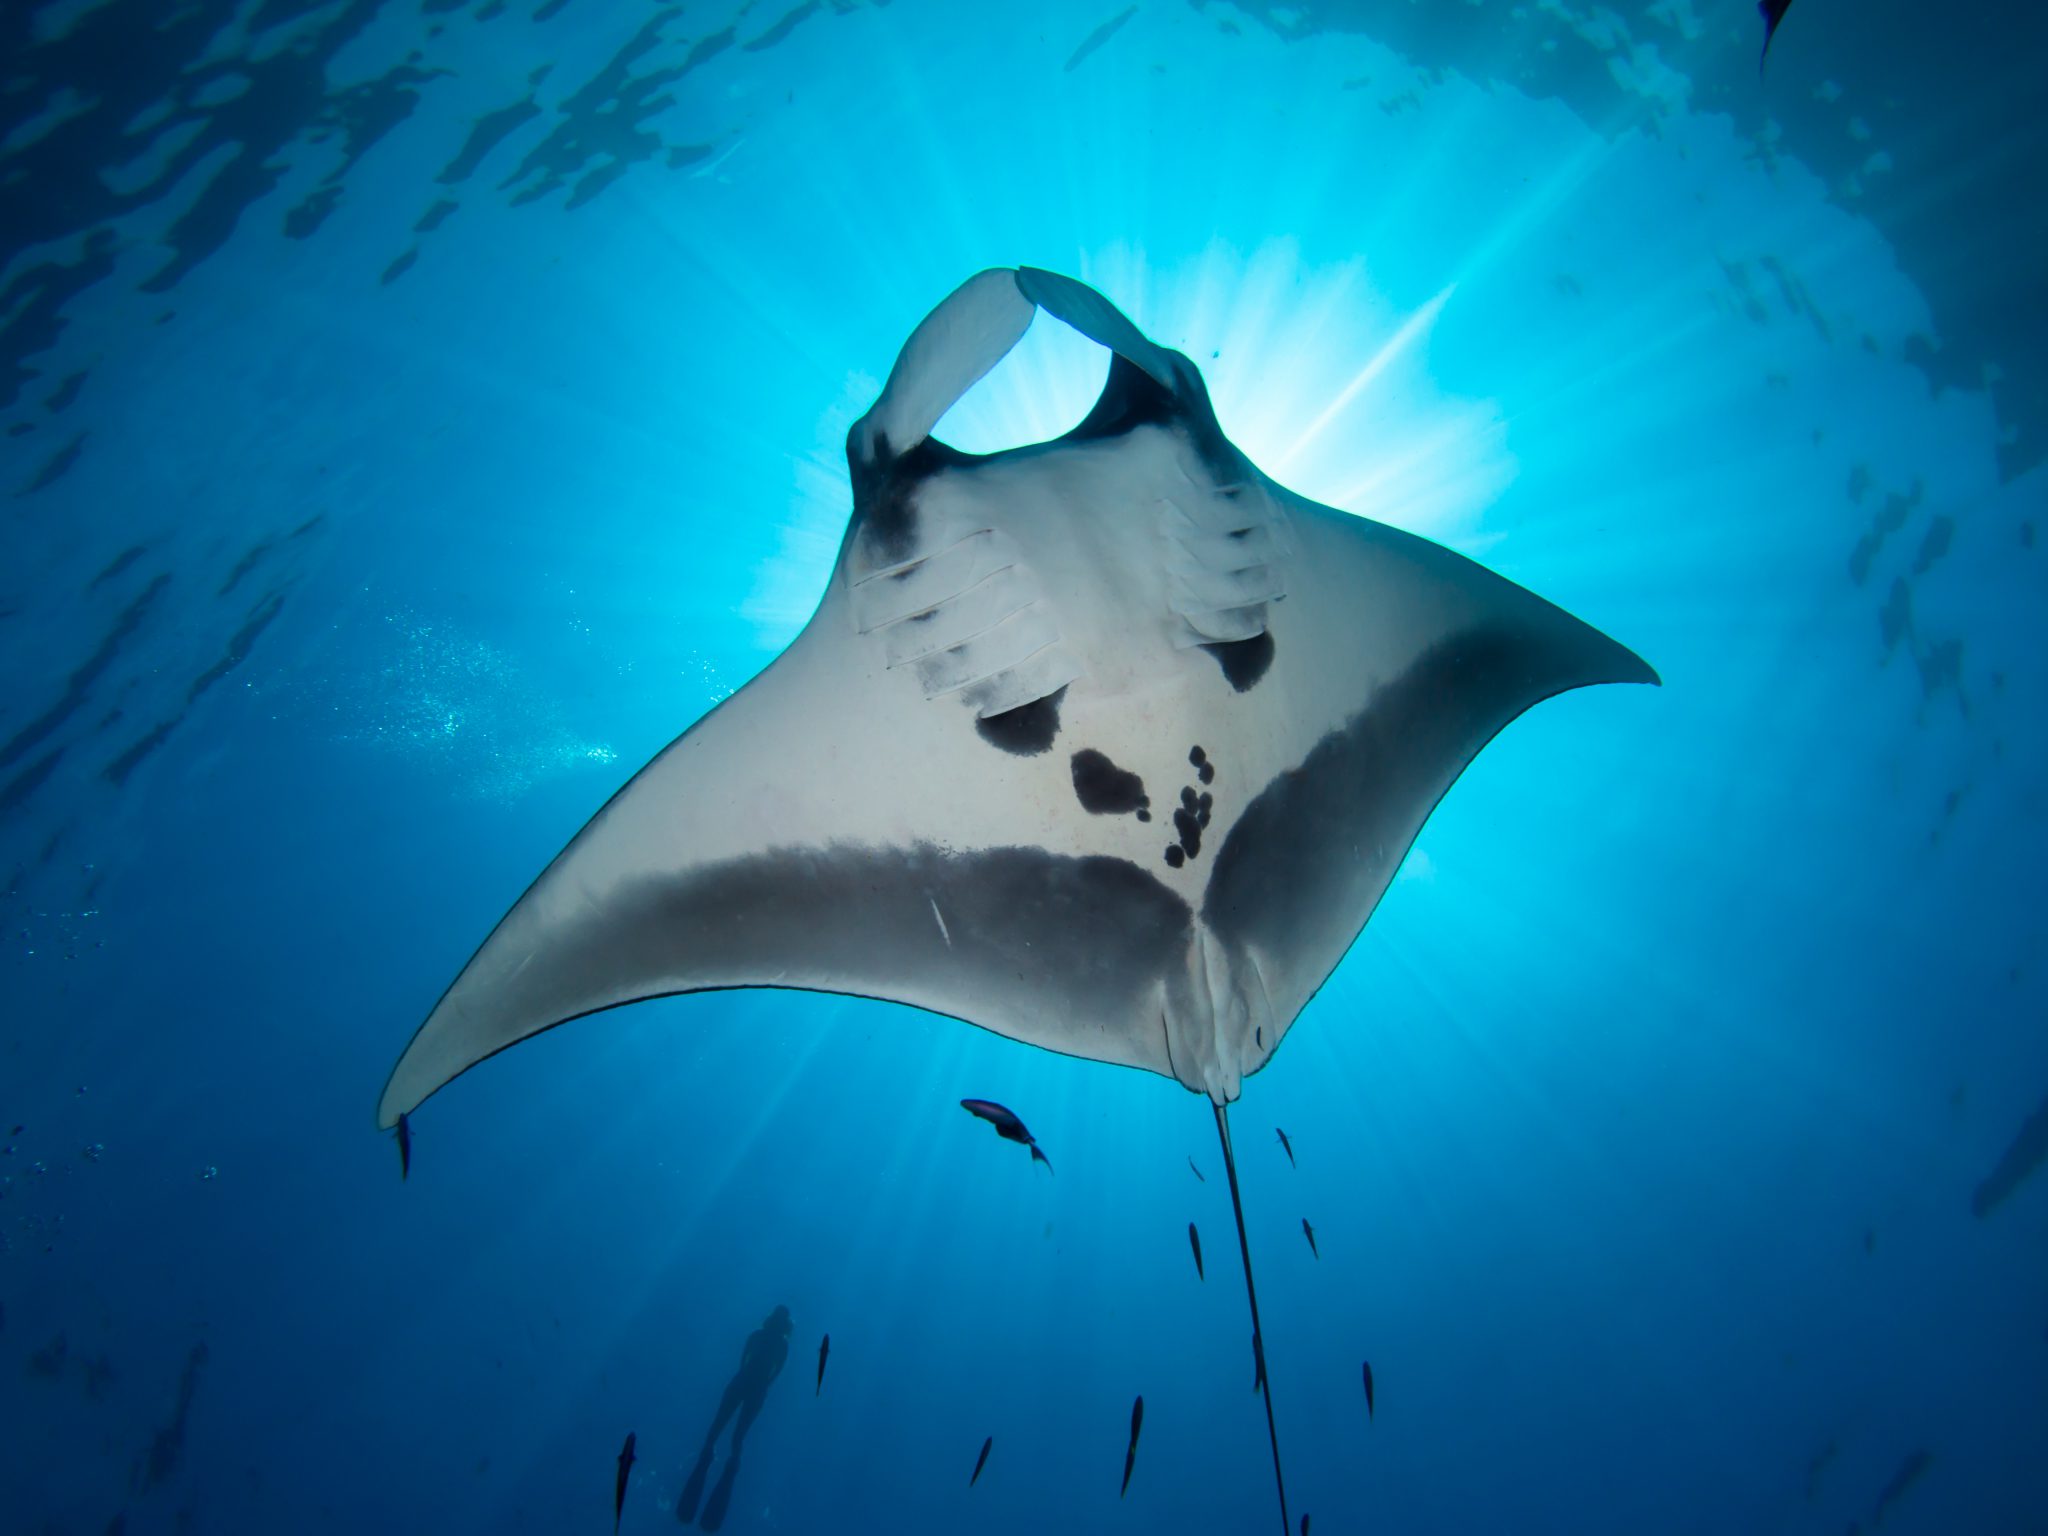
point(1647, 1130)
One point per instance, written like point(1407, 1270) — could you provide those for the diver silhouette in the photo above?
point(761, 1362)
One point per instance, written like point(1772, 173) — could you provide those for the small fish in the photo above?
point(404, 1146)
point(619, 1489)
point(824, 1349)
point(1309, 1232)
point(1195, 1242)
point(1258, 1362)
point(981, 1461)
point(1286, 1146)
point(1007, 1125)
point(1368, 1389)
point(1304, 1525)
point(1773, 12)
point(1909, 1473)
point(1131, 1455)
point(1194, 1170)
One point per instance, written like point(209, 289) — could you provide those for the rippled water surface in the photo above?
point(415, 413)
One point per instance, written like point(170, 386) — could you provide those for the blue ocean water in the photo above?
point(416, 414)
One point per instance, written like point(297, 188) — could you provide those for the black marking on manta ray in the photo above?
point(1107, 790)
point(1094, 933)
point(1282, 879)
point(1188, 821)
point(885, 483)
point(1027, 730)
point(1204, 769)
point(1243, 662)
point(885, 491)
point(1132, 398)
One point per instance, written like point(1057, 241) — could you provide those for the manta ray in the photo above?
point(1108, 744)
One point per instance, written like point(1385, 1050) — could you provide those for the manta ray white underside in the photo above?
point(1108, 744)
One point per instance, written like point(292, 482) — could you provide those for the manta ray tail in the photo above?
point(1251, 1292)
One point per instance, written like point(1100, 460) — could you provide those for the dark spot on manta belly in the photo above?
point(1028, 729)
point(1105, 789)
point(1194, 812)
point(885, 487)
point(1243, 662)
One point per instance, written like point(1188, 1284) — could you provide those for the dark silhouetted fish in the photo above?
point(1911, 1470)
point(1309, 1232)
point(1304, 1525)
point(1258, 1363)
point(404, 1146)
point(1195, 1242)
point(1286, 1146)
point(1194, 1170)
point(981, 1461)
point(1773, 12)
point(1816, 1466)
point(824, 1349)
point(1368, 1389)
point(1007, 1125)
point(1131, 1455)
point(2024, 1155)
point(619, 1488)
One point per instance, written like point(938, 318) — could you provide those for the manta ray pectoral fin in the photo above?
point(784, 839)
point(1434, 655)
point(1039, 946)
